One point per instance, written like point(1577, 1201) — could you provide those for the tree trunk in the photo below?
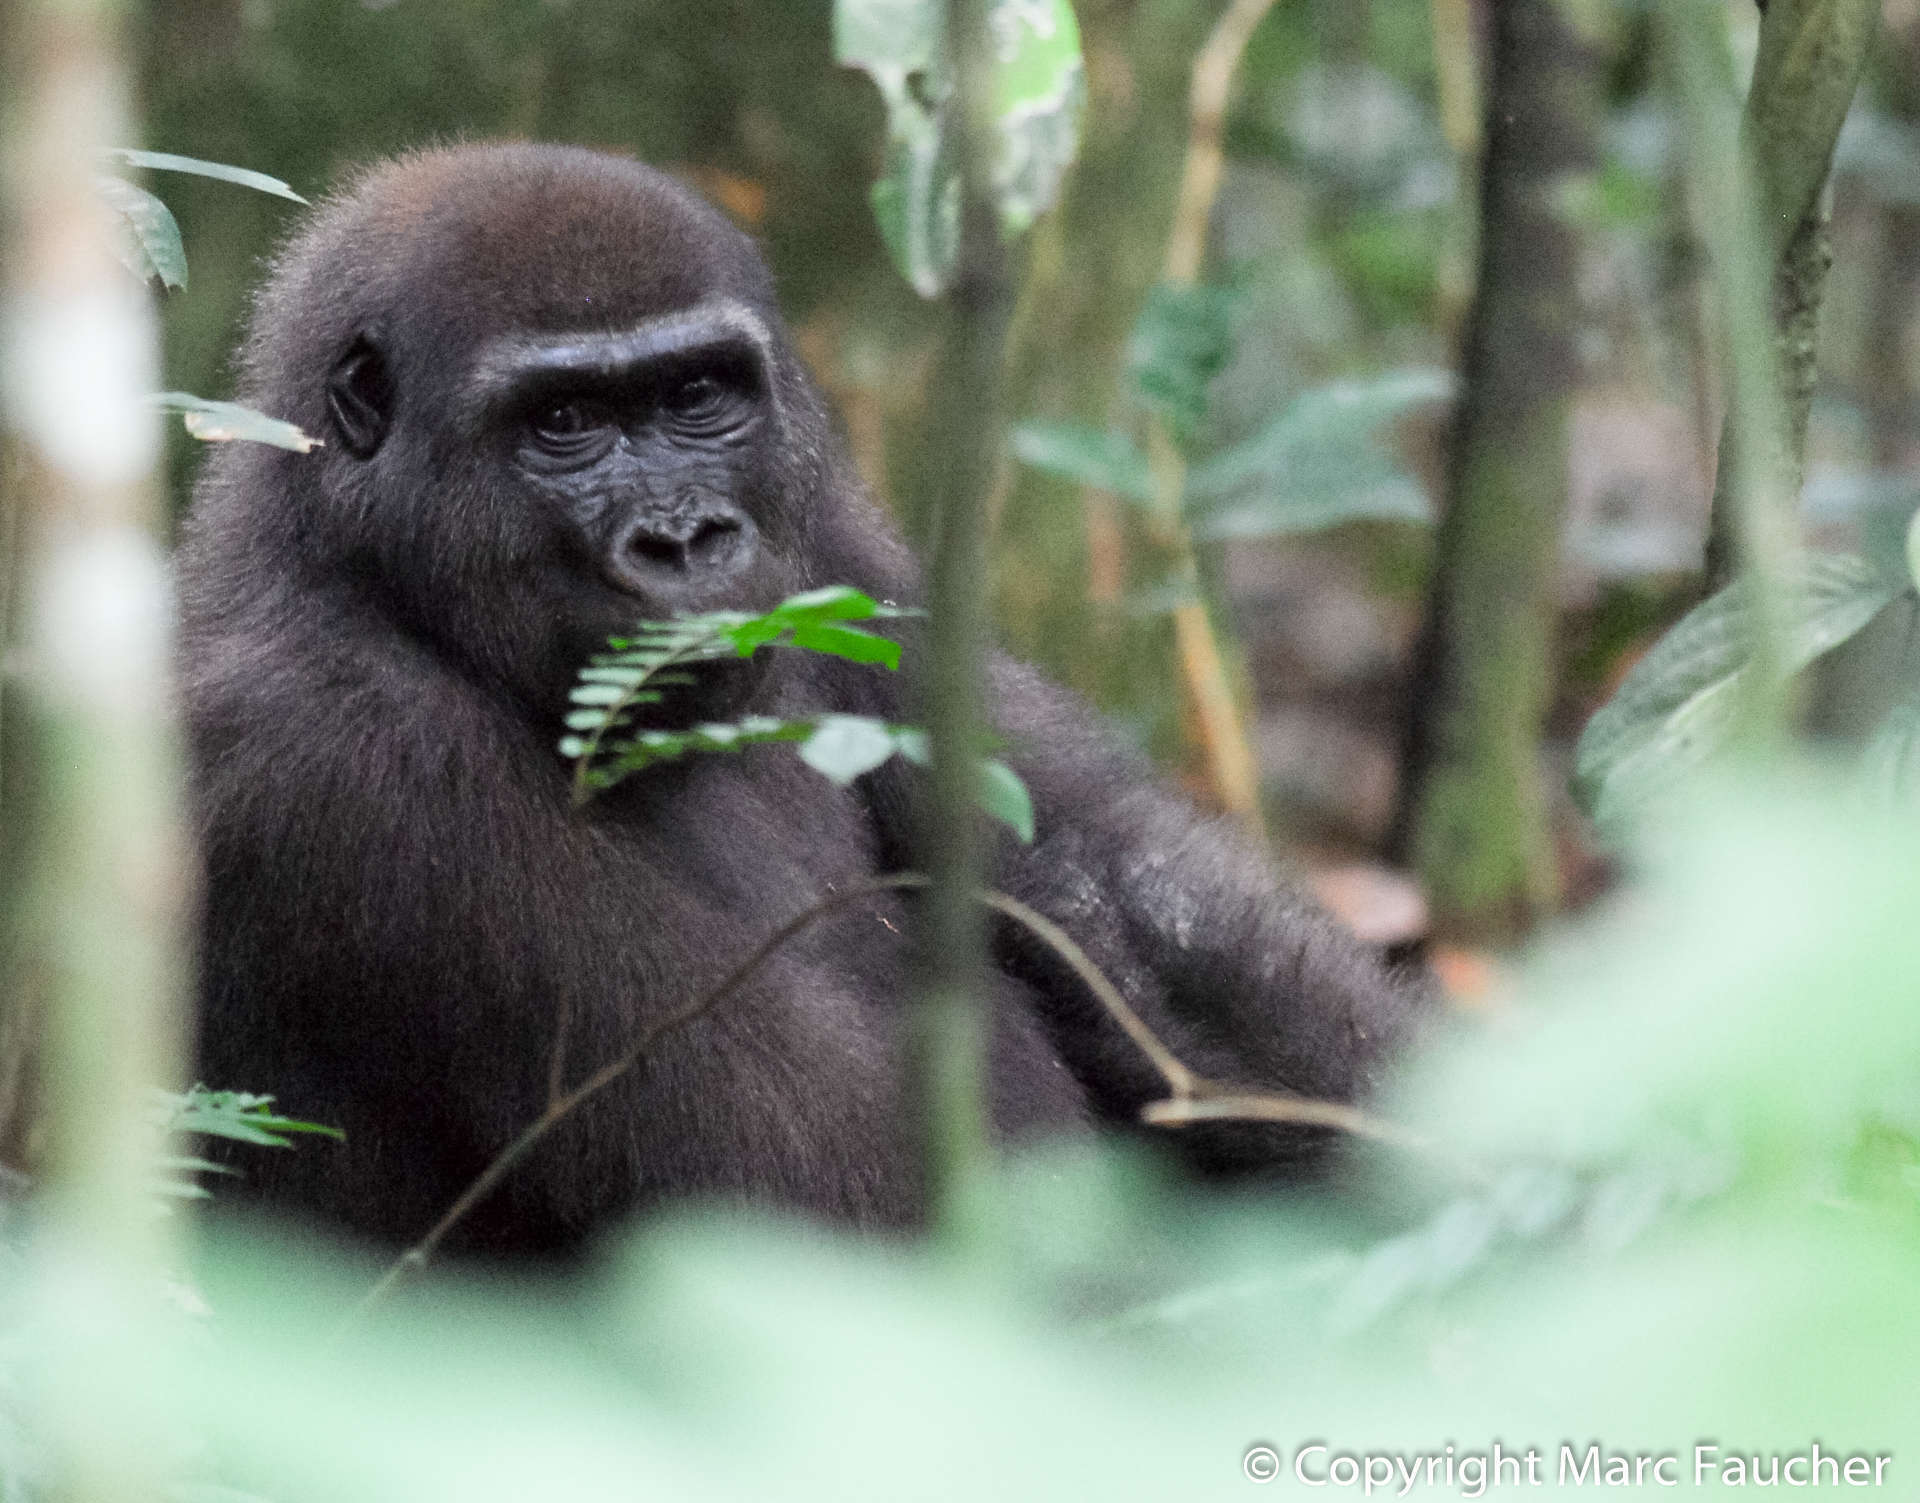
point(1473, 811)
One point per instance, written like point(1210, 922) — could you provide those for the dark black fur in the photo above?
point(400, 902)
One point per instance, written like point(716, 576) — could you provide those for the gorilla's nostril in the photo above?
point(712, 540)
point(655, 549)
point(685, 545)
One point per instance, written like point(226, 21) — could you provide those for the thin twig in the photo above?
point(557, 1110)
point(1232, 771)
point(1230, 1104)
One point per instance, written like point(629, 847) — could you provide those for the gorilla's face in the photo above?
point(560, 451)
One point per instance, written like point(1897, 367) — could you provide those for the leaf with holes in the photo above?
point(1039, 90)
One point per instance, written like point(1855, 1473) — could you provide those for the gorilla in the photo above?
point(556, 399)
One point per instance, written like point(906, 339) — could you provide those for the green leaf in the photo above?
point(1319, 496)
point(1039, 91)
point(844, 747)
point(848, 642)
point(1182, 339)
point(1331, 429)
point(1005, 797)
point(831, 603)
point(1091, 456)
point(600, 693)
point(149, 246)
point(166, 161)
point(239, 1115)
point(1319, 463)
point(1675, 709)
point(225, 422)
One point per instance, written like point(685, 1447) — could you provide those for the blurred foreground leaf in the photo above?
point(1640, 1225)
point(1678, 705)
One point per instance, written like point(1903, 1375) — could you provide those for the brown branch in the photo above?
point(1213, 70)
point(1194, 1097)
point(1233, 774)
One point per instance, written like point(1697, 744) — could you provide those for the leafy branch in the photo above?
point(615, 684)
point(148, 243)
point(238, 1116)
point(605, 749)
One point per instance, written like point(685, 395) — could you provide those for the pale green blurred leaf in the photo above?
point(844, 747)
point(1005, 797)
point(1179, 343)
point(166, 161)
point(149, 244)
point(223, 422)
point(1106, 460)
point(1676, 708)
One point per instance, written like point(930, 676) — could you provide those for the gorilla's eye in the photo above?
point(703, 404)
point(569, 428)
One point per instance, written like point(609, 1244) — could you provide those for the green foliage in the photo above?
point(1181, 341)
point(239, 1116)
point(1097, 457)
point(1319, 462)
point(605, 749)
point(1678, 706)
point(1668, 1201)
point(639, 668)
point(149, 242)
point(1040, 89)
point(149, 246)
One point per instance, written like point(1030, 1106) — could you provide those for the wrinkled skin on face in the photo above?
point(557, 399)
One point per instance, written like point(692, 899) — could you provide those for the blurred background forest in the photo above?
point(1344, 235)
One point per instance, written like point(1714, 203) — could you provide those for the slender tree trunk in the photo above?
point(1473, 817)
point(103, 882)
point(1812, 53)
point(950, 1025)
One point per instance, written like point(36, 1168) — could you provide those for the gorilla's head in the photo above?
point(556, 399)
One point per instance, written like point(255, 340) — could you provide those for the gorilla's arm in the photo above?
point(1247, 981)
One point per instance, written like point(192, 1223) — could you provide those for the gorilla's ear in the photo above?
point(360, 397)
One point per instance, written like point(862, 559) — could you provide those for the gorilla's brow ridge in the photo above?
point(505, 363)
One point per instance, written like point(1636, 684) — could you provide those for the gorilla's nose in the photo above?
point(685, 546)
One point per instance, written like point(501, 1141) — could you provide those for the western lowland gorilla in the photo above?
point(557, 399)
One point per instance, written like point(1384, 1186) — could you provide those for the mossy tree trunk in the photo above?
point(1472, 818)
